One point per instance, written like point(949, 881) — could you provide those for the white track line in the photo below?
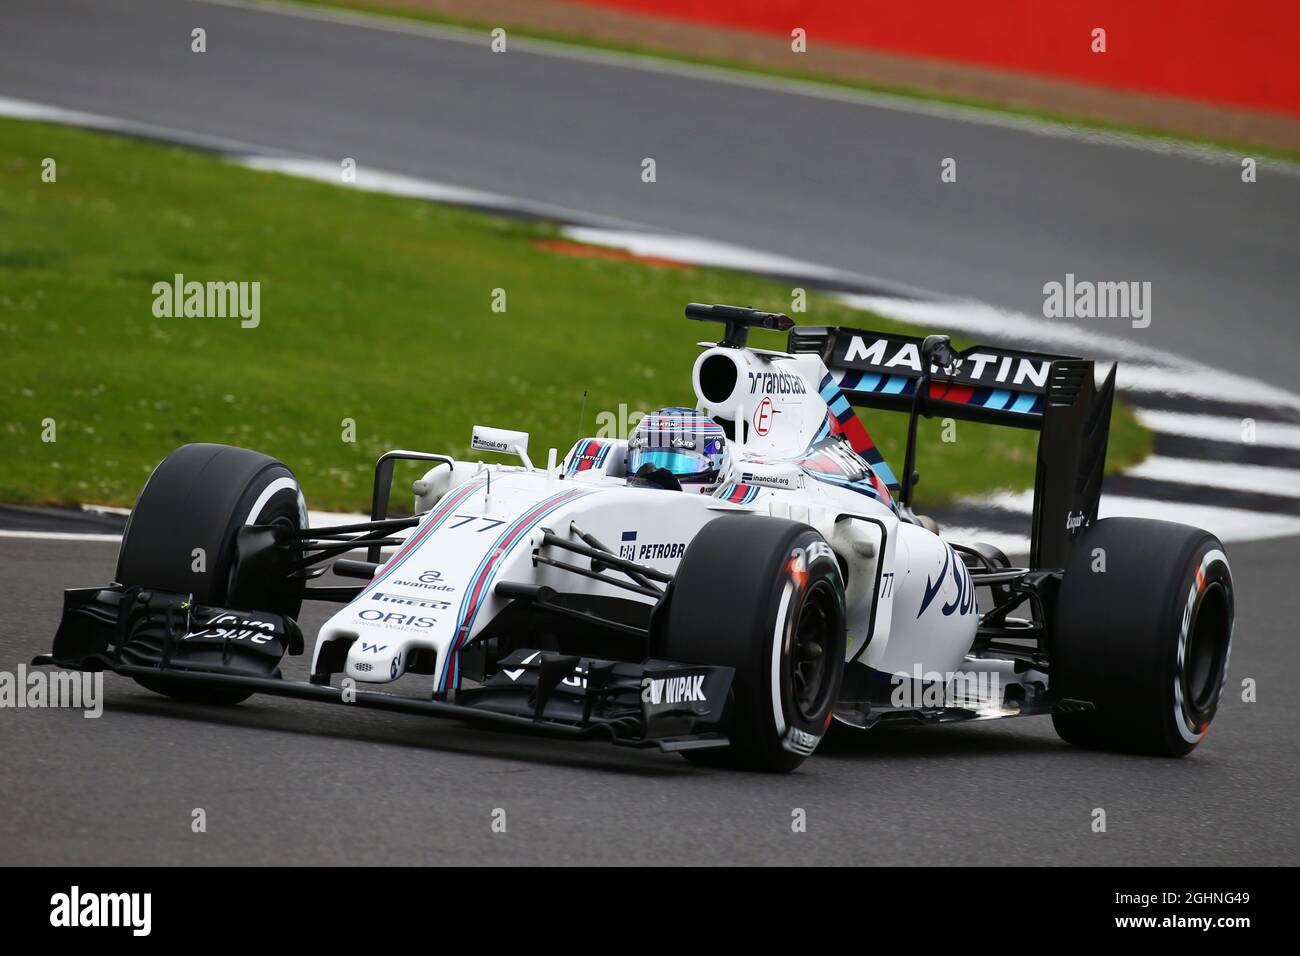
point(316, 519)
point(45, 113)
point(1261, 478)
point(1220, 428)
point(711, 253)
point(1229, 524)
point(106, 510)
point(414, 187)
point(1201, 382)
point(60, 536)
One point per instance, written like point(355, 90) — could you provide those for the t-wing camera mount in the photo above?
point(738, 320)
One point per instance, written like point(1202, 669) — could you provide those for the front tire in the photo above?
point(1146, 640)
point(181, 535)
point(766, 597)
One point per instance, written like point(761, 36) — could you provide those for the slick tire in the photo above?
point(766, 597)
point(1145, 641)
point(181, 534)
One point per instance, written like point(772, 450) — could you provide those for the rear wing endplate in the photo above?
point(1055, 395)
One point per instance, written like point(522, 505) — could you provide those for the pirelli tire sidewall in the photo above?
point(1147, 640)
point(181, 536)
point(743, 590)
point(181, 533)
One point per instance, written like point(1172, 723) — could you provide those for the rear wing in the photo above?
point(1056, 395)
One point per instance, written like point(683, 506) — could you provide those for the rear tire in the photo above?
point(198, 498)
point(764, 596)
point(1147, 641)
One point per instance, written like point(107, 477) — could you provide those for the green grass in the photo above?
point(373, 308)
point(916, 93)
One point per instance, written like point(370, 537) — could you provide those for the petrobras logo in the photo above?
point(687, 689)
point(776, 383)
point(632, 550)
point(410, 602)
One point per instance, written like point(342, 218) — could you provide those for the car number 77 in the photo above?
point(489, 523)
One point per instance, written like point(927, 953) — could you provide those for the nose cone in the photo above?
point(375, 662)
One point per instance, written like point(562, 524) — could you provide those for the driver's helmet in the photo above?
point(683, 441)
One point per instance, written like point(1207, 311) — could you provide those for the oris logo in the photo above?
point(397, 619)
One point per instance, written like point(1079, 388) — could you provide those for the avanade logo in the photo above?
point(77, 909)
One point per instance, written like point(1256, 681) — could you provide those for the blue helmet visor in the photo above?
point(678, 462)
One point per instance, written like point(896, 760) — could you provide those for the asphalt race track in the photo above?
point(289, 782)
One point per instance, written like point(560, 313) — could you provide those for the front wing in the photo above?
point(140, 633)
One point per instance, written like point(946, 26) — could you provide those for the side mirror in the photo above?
point(502, 442)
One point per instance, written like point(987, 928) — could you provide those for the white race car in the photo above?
point(724, 583)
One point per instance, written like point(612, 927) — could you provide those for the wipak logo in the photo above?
point(674, 690)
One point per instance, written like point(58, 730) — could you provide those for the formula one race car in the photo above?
point(724, 583)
